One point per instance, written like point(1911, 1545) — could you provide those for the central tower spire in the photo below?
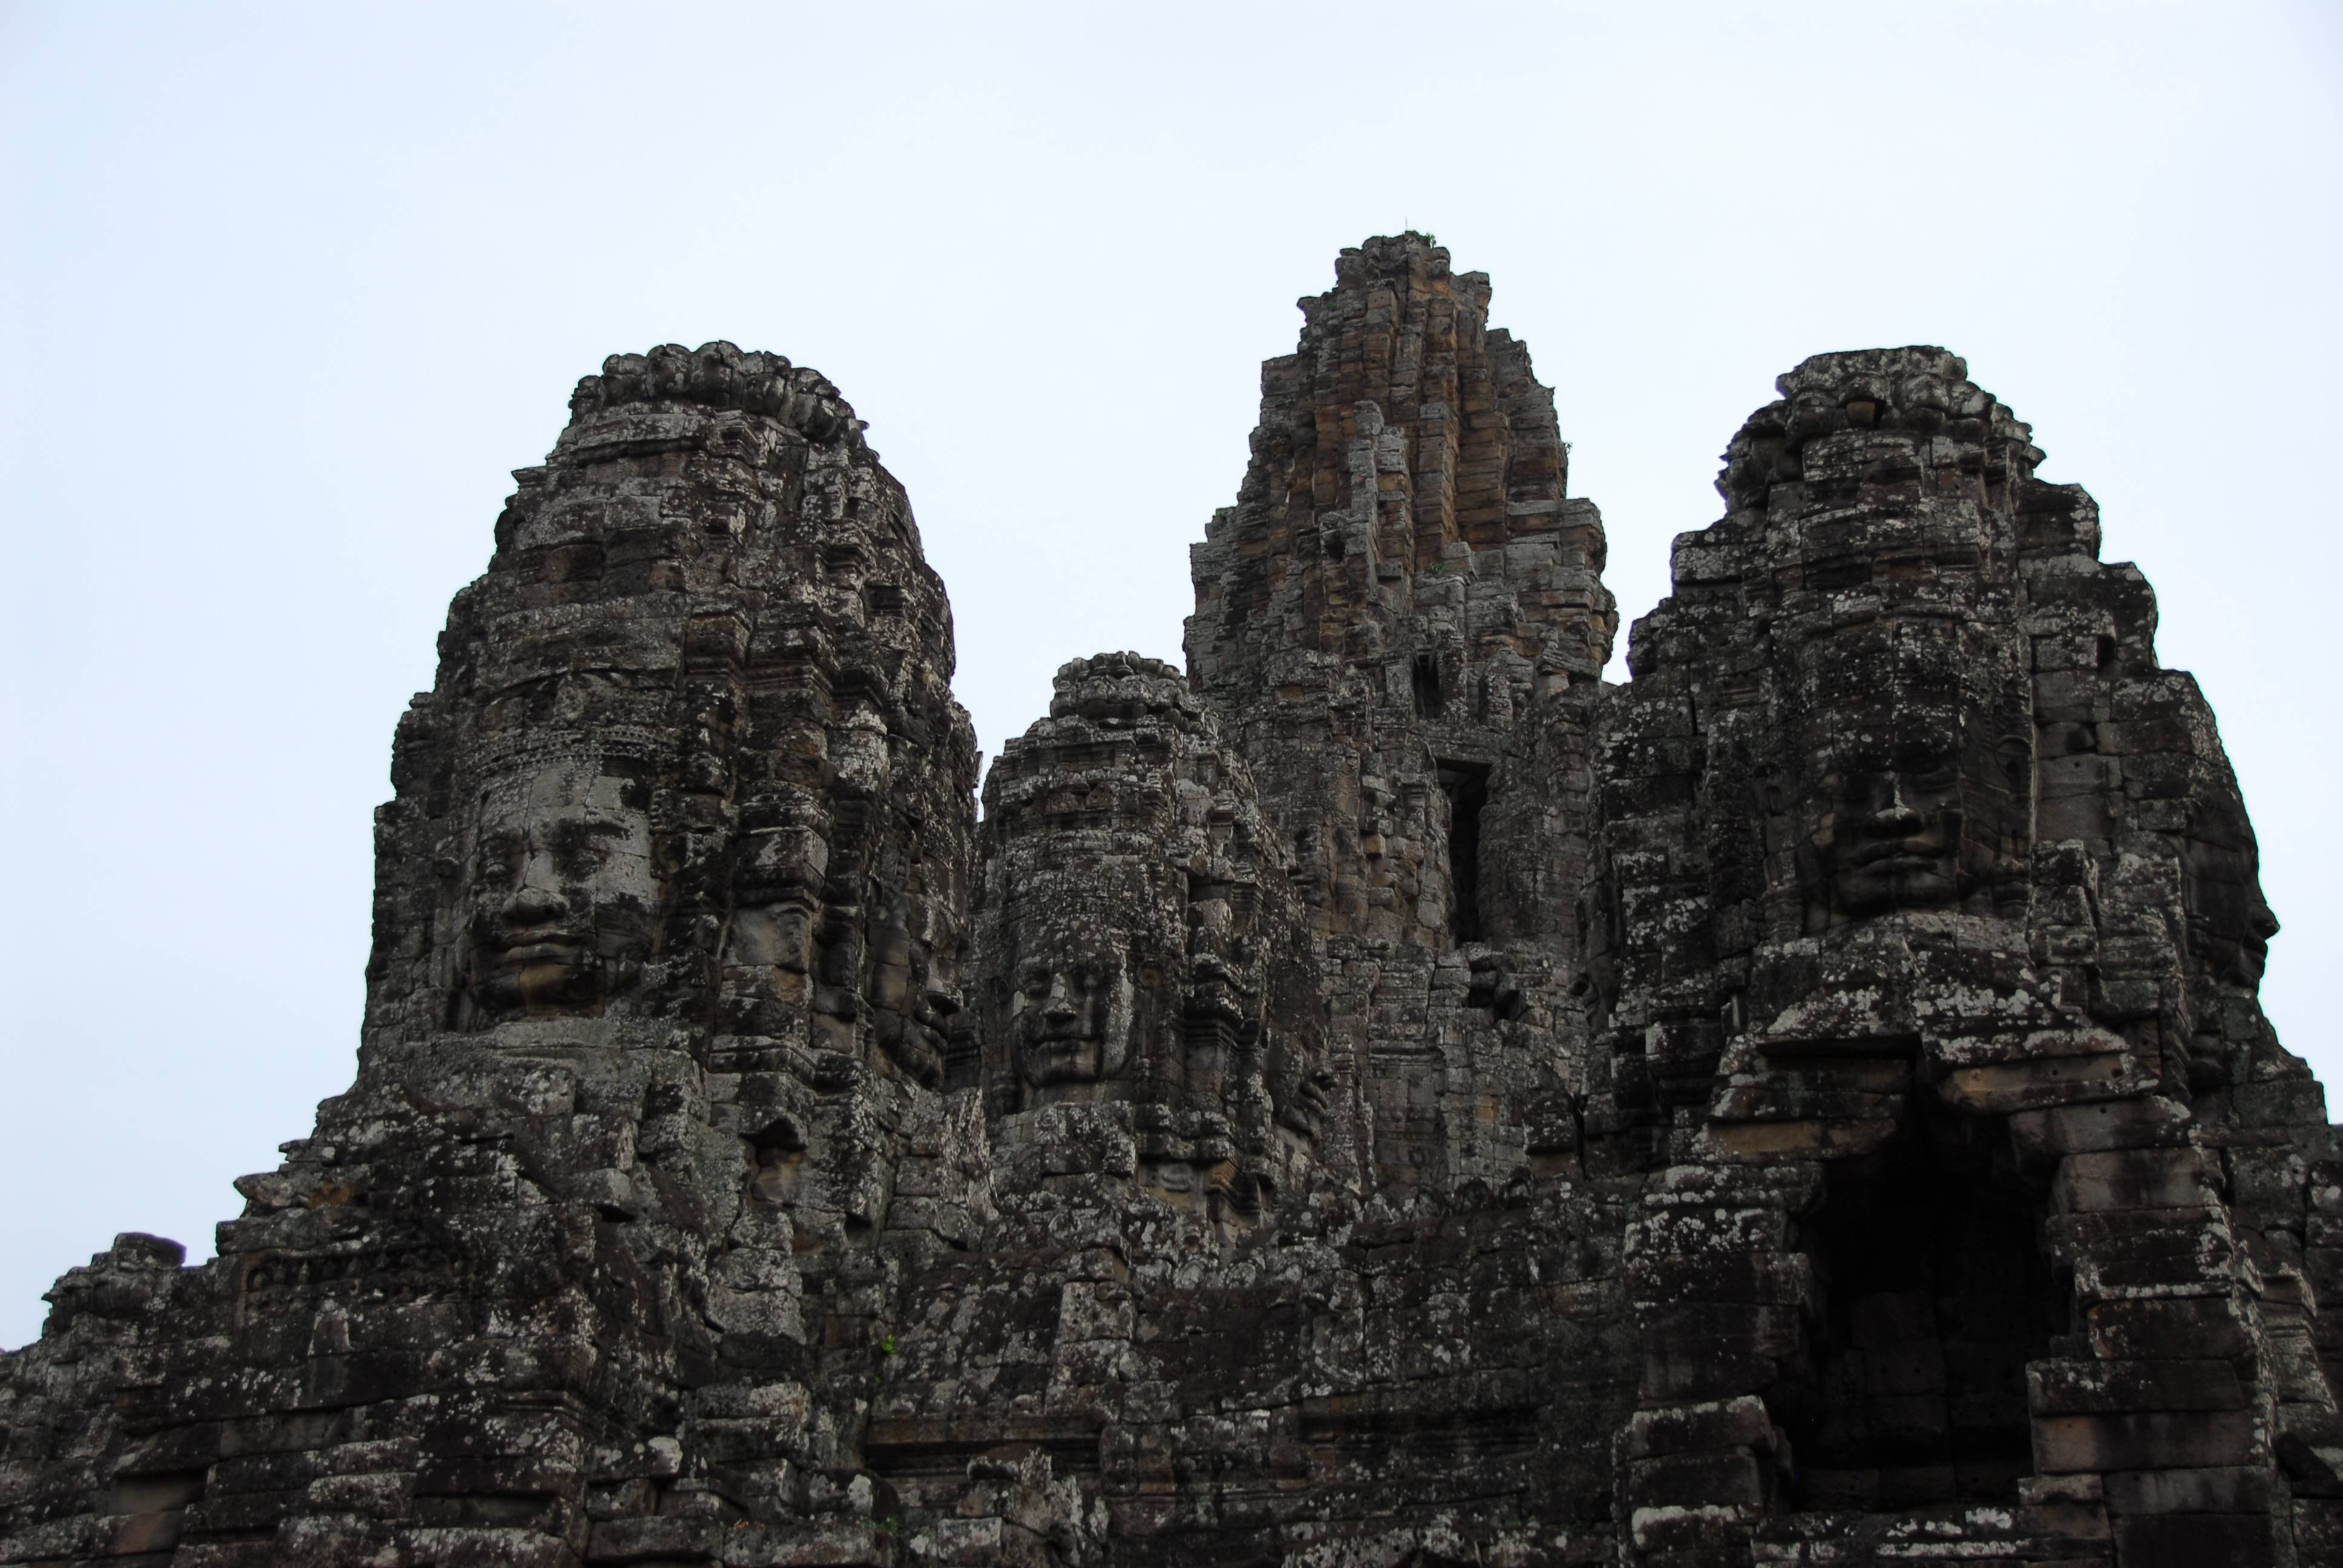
point(1403, 625)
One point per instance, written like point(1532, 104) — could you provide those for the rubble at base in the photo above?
point(1383, 1097)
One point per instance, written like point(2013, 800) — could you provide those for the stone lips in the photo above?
point(1381, 1096)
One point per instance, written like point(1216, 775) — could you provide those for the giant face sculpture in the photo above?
point(1889, 833)
point(1914, 767)
point(2229, 922)
point(1916, 823)
point(1071, 1014)
point(1300, 1081)
point(564, 901)
point(1135, 926)
point(913, 1000)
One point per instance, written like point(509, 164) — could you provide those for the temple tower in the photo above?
point(1402, 626)
point(1145, 979)
point(669, 906)
point(1924, 953)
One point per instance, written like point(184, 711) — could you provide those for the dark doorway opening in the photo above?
point(1466, 785)
point(1937, 1294)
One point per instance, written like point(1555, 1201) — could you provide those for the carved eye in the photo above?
point(1035, 983)
point(499, 859)
point(582, 848)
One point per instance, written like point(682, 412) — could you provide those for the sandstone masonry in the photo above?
point(1383, 1097)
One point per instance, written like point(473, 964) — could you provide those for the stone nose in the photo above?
point(532, 904)
point(1894, 817)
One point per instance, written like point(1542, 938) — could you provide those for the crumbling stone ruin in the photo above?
point(1385, 1096)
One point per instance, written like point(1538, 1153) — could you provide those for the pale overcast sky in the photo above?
point(286, 291)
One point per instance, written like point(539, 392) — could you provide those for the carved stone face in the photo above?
point(1913, 758)
point(564, 901)
point(1219, 984)
point(1300, 1081)
point(2229, 922)
point(1916, 785)
point(913, 1001)
point(1889, 837)
point(1070, 1016)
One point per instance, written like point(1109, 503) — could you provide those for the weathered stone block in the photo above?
point(2131, 1178)
point(2193, 1539)
point(2173, 1330)
point(2075, 1387)
point(2099, 1127)
point(1685, 1531)
point(1735, 1478)
point(1705, 1426)
point(2234, 1490)
point(2136, 1441)
point(624, 1541)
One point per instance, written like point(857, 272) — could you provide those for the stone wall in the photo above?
point(1383, 1097)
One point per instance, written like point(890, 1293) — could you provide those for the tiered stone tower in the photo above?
point(1402, 625)
point(1930, 930)
point(670, 903)
point(1410, 1102)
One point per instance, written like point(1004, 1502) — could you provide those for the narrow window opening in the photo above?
point(1466, 785)
point(1424, 676)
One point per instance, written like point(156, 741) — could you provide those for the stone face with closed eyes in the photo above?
point(1381, 1095)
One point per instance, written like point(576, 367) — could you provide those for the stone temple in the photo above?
point(1384, 1096)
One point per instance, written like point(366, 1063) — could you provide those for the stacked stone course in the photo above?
point(1383, 1097)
